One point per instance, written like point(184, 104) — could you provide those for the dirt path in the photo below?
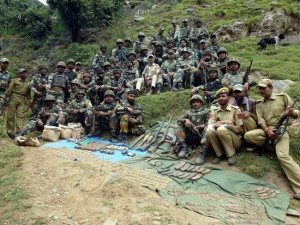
point(92, 191)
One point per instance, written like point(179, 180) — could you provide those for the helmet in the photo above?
point(161, 28)
point(128, 39)
point(117, 70)
point(196, 97)
point(131, 53)
point(70, 61)
point(119, 41)
point(144, 47)
point(99, 70)
point(103, 46)
point(185, 49)
point(42, 67)
point(141, 34)
point(236, 60)
point(80, 91)
point(222, 49)
point(106, 64)
point(61, 63)
point(50, 98)
point(158, 43)
point(207, 52)
point(87, 75)
point(109, 92)
point(212, 68)
point(75, 81)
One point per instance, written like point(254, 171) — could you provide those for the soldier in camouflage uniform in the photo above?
point(38, 86)
point(131, 56)
point(79, 71)
point(107, 70)
point(174, 32)
point(195, 119)
point(184, 75)
point(117, 84)
point(169, 68)
point(234, 75)
point(143, 58)
point(198, 33)
point(139, 43)
point(128, 46)
point(49, 115)
point(214, 46)
point(222, 60)
point(100, 58)
point(104, 110)
point(183, 44)
point(80, 110)
point(159, 38)
point(5, 79)
point(170, 46)
point(158, 52)
point(70, 70)
point(87, 85)
point(100, 86)
point(131, 76)
point(127, 118)
point(185, 30)
point(202, 48)
point(58, 84)
point(20, 93)
point(75, 85)
point(119, 52)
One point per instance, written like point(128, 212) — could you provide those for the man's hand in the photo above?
point(74, 112)
point(207, 93)
point(290, 111)
point(130, 110)
point(188, 123)
point(202, 126)
point(271, 134)
point(45, 114)
point(38, 94)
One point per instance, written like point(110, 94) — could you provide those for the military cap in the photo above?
point(78, 63)
point(185, 49)
point(223, 90)
point(103, 46)
point(128, 39)
point(213, 36)
point(119, 41)
point(106, 64)
point(42, 67)
point(169, 41)
point(117, 70)
point(171, 51)
point(75, 81)
point(183, 39)
point(202, 41)
point(196, 97)
point(149, 56)
point(144, 47)
point(141, 34)
point(132, 92)
point(80, 91)
point(21, 70)
point(198, 21)
point(131, 53)
point(161, 28)
point(70, 61)
point(109, 92)
point(207, 52)
point(212, 69)
point(2, 60)
point(158, 43)
point(50, 98)
point(232, 60)
point(222, 49)
point(185, 20)
point(87, 75)
point(264, 83)
point(238, 87)
point(99, 70)
point(61, 64)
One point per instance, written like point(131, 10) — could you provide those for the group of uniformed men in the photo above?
point(105, 97)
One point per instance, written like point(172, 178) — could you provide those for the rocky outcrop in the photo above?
point(236, 31)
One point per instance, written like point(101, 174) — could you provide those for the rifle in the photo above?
point(125, 111)
point(147, 145)
point(194, 128)
point(154, 147)
point(245, 79)
point(279, 131)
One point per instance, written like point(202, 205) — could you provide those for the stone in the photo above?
point(280, 86)
point(110, 221)
point(232, 32)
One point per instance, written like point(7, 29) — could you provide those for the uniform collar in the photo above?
point(228, 108)
point(244, 102)
point(272, 97)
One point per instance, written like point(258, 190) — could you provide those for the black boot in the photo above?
point(183, 151)
point(201, 159)
point(113, 137)
point(159, 87)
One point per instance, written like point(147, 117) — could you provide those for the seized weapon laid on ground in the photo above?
point(154, 147)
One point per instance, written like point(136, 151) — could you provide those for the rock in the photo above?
point(280, 86)
point(110, 221)
point(236, 31)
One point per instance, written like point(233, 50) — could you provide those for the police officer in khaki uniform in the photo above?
point(225, 128)
point(269, 109)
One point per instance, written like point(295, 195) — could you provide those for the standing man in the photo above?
point(70, 70)
point(100, 58)
point(225, 129)
point(119, 52)
point(139, 43)
point(5, 79)
point(19, 91)
point(159, 37)
point(79, 70)
point(185, 30)
point(269, 110)
point(214, 46)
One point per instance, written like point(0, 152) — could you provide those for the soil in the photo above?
point(76, 187)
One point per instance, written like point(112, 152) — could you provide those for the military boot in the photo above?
point(113, 137)
point(180, 87)
point(201, 159)
point(174, 88)
point(183, 151)
point(150, 92)
point(12, 135)
point(159, 87)
point(87, 130)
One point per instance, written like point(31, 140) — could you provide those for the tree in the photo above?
point(78, 14)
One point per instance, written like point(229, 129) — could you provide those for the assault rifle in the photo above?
point(154, 147)
point(245, 79)
point(194, 129)
point(279, 131)
point(147, 145)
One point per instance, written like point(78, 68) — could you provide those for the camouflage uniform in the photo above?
point(119, 53)
point(188, 136)
point(197, 34)
point(88, 86)
point(232, 78)
point(169, 69)
point(100, 87)
point(185, 31)
point(119, 83)
point(158, 53)
point(138, 44)
point(159, 38)
point(222, 63)
point(99, 59)
point(128, 49)
point(5, 79)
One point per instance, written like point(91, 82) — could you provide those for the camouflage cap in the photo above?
point(109, 92)
point(76, 81)
point(117, 70)
point(61, 64)
point(87, 75)
point(161, 28)
point(50, 98)
point(202, 41)
point(169, 41)
point(141, 34)
point(78, 63)
point(21, 70)
point(119, 41)
point(183, 40)
point(99, 70)
point(238, 87)
point(150, 56)
point(42, 66)
point(213, 36)
point(144, 47)
point(185, 49)
point(106, 64)
point(70, 61)
point(196, 97)
point(128, 39)
point(212, 69)
point(265, 83)
point(232, 60)
point(158, 43)
point(198, 21)
point(103, 46)
point(207, 52)
point(222, 49)
point(131, 92)
point(171, 51)
point(131, 53)
point(80, 91)
point(223, 90)
point(2, 60)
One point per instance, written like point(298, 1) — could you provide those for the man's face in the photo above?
point(202, 45)
point(171, 56)
point(213, 74)
point(207, 58)
point(185, 55)
point(129, 64)
point(119, 44)
point(222, 55)
point(109, 99)
point(223, 99)
point(60, 69)
point(183, 44)
point(233, 66)
point(144, 52)
point(213, 39)
point(117, 76)
point(196, 104)
point(170, 45)
point(131, 98)
point(151, 60)
point(100, 75)
point(80, 96)
point(199, 25)
point(238, 95)
point(265, 92)
point(71, 66)
point(78, 67)
point(185, 24)
point(158, 47)
point(74, 87)
point(43, 71)
point(107, 68)
point(4, 66)
point(127, 44)
point(174, 25)
point(103, 50)
point(141, 38)
point(23, 75)
point(49, 103)
point(86, 79)
point(161, 32)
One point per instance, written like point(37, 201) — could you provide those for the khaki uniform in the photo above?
point(152, 72)
point(223, 138)
point(20, 95)
point(269, 112)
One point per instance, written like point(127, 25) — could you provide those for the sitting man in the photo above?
point(50, 115)
point(80, 110)
point(104, 111)
point(191, 126)
point(269, 110)
point(127, 118)
point(225, 128)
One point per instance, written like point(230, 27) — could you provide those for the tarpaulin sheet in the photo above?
point(116, 157)
point(217, 194)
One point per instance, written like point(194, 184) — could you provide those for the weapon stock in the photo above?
point(245, 79)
